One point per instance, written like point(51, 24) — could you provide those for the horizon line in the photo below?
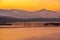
point(30, 11)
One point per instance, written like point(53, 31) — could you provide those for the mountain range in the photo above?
point(14, 15)
point(21, 14)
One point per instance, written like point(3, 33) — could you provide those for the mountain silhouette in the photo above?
point(43, 15)
point(14, 13)
point(47, 14)
point(21, 14)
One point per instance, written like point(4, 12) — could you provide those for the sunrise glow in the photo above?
point(30, 5)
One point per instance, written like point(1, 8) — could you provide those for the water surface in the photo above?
point(36, 33)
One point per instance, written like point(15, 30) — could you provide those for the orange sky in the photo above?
point(30, 5)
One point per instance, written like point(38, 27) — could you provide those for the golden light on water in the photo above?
point(21, 33)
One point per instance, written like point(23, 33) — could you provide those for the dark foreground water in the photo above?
point(37, 33)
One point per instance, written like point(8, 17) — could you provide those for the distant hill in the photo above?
point(43, 15)
point(46, 14)
point(15, 13)
point(44, 20)
point(10, 19)
point(21, 14)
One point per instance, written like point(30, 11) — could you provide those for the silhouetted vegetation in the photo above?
point(56, 24)
point(4, 20)
point(11, 19)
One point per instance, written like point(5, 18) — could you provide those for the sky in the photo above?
point(30, 5)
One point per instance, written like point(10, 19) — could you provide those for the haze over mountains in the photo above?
point(43, 15)
point(21, 14)
point(47, 14)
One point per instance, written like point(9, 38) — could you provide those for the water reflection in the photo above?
point(40, 33)
point(55, 36)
